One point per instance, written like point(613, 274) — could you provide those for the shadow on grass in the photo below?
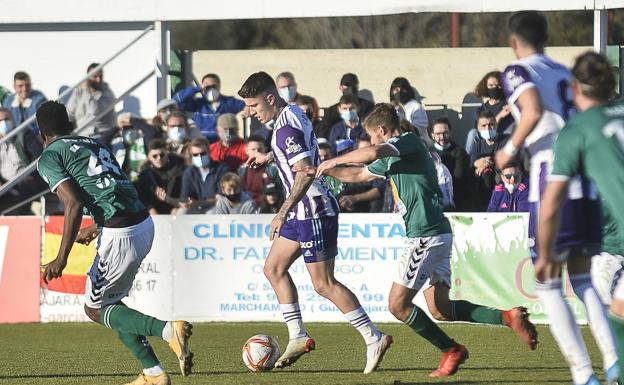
point(25, 376)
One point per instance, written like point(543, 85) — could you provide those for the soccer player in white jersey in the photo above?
point(538, 91)
point(307, 224)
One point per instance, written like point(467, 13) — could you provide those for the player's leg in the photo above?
point(616, 320)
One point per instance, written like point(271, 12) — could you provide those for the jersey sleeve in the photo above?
point(50, 167)
point(292, 142)
point(378, 167)
point(515, 81)
point(567, 155)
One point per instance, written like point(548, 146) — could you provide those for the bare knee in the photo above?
point(93, 314)
point(399, 309)
point(273, 272)
point(437, 314)
point(323, 288)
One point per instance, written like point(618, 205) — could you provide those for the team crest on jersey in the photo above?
point(291, 146)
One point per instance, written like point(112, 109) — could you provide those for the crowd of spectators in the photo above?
point(190, 157)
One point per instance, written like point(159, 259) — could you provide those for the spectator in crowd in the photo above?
point(344, 134)
point(89, 101)
point(512, 193)
point(457, 162)
point(287, 87)
point(271, 200)
point(164, 109)
point(207, 104)
point(230, 149)
point(402, 93)
point(200, 182)
point(16, 154)
point(4, 92)
point(253, 180)
point(445, 181)
point(24, 102)
point(482, 158)
point(160, 180)
point(490, 89)
point(349, 85)
point(310, 107)
point(178, 133)
point(233, 199)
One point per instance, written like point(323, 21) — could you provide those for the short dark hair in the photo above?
point(285, 74)
point(257, 84)
point(52, 119)
point(349, 80)
point(440, 120)
point(211, 75)
point(349, 99)
point(21, 75)
point(255, 138)
point(325, 146)
point(92, 66)
point(199, 142)
point(383, 114)
point(156, 144)
point(485, 114)
point(594, 76)
point(176, 114)
point(481, 89)
point(531, 27)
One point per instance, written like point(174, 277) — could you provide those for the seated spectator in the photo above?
point(482, 158)
point(230, 149)
point(160, 180)
point(178, 133)
point(402, 93)
point(90, 100)
point(15, 155)
point(164, 109)
point(490, 89)
point(310, 107)
point(363, 142)
point(349, 85)
point(344, 134)
point(233, 199)
point(445, 181)
point(207, 104)
point(200, 182)
point(271, 200)
point(512, 193)
point(24, 102)
point(457, 162)
point(286, 86)
point(254, 179)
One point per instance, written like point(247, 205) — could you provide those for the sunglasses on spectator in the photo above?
point(515, 175)
point(199, 153)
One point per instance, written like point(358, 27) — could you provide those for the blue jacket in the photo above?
point(203, 114)
point(193, 186)
point(504, 202)
point(20, 114)
point(338, 134)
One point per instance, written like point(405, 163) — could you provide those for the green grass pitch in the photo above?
point(54, 354)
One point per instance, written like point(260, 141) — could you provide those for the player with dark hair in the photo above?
point(541, 101)
point(86, 177)
point(306, 224)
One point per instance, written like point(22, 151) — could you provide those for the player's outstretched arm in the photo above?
point(352, 174)
point(68, 194)
point(548, 222)
point(259, 160)
point(364, 155)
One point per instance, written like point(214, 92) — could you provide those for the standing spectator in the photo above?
point(482, 158)
point(456, 160)
point(255, 179)
point(271, 200)
point(24, 102)
point(233, 199)
point(512, 193)
point(310, 107)
point(230, 149)
point(344, 134)
point(200, 182)
point(178, 133)
point(403, 94)
point(15, 155)
point(160, 180)
point(207, 104)
point(164, 109)
point(490, 89)
point(90, 100)
point(349, 85)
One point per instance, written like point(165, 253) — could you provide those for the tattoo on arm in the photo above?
point(299, 189)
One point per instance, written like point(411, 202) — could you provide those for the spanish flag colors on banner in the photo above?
point(80, 259)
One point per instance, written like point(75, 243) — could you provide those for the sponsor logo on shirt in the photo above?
point(291, 146)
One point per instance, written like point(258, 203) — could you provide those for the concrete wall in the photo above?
point(441, 75)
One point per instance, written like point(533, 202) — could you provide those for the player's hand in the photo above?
point(545, 269)
point(87, 234)
point(190, 203)
point(347, 202)
point(53, 270)
point(161, 194)
point(276, 226)
point(308, 170)
point(257, 160)
point(502, 159)
point(325, 166)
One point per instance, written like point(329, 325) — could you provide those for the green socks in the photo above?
point(617, 325)
point(470, 312)
point(140, 348)
point(427, 329)
point(125, 320)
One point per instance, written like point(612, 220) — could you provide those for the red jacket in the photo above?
point(232, 156)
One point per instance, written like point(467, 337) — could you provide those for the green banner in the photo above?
point(492, 266)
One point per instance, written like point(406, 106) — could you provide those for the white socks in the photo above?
point(359, 319)
point(153, 371)
point(597, 317)
point(563, 327)
point(292, 316)
point(167, 332)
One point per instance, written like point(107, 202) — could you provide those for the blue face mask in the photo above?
point(201, 161)
point(440, 147)
point(287, 93)
point(488, 135)
point(349, 116)
point(5, 126)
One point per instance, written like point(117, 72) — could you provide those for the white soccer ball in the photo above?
point(260, 353)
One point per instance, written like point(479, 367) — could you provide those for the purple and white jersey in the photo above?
point(552, 81)
point(293, 139)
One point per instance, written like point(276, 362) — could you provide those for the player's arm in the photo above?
point(352, 174)
point(68, 194)
point(364, 155)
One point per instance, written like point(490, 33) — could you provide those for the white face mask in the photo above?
point(201, 161)
point(212, 95)
point(510, 187)
point(287, 93)
point(488, 134)
point(176, 134)
point(440, 147)
point(5, 126)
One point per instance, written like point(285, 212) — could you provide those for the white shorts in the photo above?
point(119, 253)
point(606, 271)
point(425, 258)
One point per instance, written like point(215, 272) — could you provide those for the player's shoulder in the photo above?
point(291, 116)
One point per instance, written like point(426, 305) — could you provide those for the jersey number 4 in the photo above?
point(101, 163)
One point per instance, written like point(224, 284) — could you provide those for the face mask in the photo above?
point(212, 94)
point(176, 134)
point(201, 161)
point(287, 93)
point(401, 97)
point(233, 197)
point(495, 93)
point(228, 136)
point(510, 187)
point(130, 135)
point(5, 126)
point(488, 135)
point(349, 116)
point(440, 147)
